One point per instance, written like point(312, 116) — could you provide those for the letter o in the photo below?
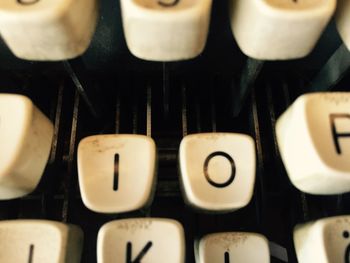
point(233, 169)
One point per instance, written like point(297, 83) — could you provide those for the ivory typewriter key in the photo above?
point(217, 170)
point(323, 241)
point(146, 240)
point(279, 29)
point(116, 172)
point(25, 139)
point(238, 247)
point(40, 241)
point(166, 30)
point(314, 140)
point(47, 29)
point(342, 18)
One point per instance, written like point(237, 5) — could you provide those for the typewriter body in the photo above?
point(123, 94)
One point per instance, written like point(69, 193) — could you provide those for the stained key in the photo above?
point(323, 241)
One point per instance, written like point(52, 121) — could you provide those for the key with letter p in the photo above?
point(314, 140)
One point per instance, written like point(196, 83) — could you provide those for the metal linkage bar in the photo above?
point(333, 71)
point(83, 84)
point(249, 75)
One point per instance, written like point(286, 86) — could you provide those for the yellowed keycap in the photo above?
point(47, 29)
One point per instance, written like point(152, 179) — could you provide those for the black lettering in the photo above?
point(335, 134)
point(27, 2)
point(140, 255)
point(347, 254)
point(31, 254)
point(168, 3)
point(233, 169)
point(227, 257)
point(116, 173)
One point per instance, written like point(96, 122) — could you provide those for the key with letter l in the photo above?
point(217, 170)
point(146, 240)
point(40, 241)
point(314, 140)
point(279, 29)
point(323, 241)
point(342, 19)
point(47, 29)
point(25, 142)
point(233, 247)
point(166, 30)
point(116, 172)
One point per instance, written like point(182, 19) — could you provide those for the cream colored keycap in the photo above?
point(217, 170)
point(146, 240)
point(25, 139)
point(47, 29)
point(237, 247)
point(342, 19)
point(39, 241)
point(323, 241)
point(116, 172)
point(166, 30)
point(279, 29)
point(314, 140)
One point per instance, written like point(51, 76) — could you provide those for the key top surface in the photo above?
point(166, 30)
point(217, 170)
point(39, 241)
point(25, 139)
point(279, 29)
point(324, 241)
point(314, 140)
point(47, 30)
point(147, 240)
point(238, 247)
point(116, 172)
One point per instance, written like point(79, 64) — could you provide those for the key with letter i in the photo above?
point(45, 30)
point(279, 29)
point(314, 140)
point(166, 30)
point(116, 172)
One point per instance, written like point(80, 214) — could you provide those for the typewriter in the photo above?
point(180, 108)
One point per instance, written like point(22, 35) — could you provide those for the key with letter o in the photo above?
point(314, 140)
point(146, 240)
point(323, 241)
point(25, 141)
point(116, 172)
point(342, 19)
point(47, 29)
point(217, 170)
point(166, 30)
point(237, 247)
point(279, 29)
point(40, 241)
